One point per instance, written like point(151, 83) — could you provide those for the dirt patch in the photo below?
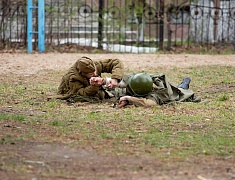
point(220, 88)
point(27, 64)
point(87, 163)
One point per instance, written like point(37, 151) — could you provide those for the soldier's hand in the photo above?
point(124, 98)
point(123, 101)
point(96, 81)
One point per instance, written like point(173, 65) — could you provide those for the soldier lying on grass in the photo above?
point(83, 83)
point(82, 78)
point(147, 90)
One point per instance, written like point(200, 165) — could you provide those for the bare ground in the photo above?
point(40, 159)
point(32, 63)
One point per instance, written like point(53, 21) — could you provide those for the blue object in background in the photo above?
point(41, 25)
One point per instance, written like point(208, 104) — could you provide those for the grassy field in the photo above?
point(171, 133)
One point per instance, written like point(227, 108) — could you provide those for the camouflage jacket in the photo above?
point(163, 92)
point(73, 83)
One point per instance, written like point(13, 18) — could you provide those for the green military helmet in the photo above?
point(141, 84)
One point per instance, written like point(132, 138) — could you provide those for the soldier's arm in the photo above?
point(113, 66)
point(77, 88)
point(139, 101)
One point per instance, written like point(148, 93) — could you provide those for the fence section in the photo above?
point(13, 24)
point(122, 25)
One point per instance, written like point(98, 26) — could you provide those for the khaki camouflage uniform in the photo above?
point(163, 92)
point(74, 83)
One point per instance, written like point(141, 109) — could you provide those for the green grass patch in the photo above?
point(177, 130)
point(12, 117)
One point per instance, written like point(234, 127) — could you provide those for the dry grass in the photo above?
point(171, 133)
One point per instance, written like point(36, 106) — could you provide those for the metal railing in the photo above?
point(136, 26)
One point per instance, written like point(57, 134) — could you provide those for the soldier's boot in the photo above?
point(185, 83)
